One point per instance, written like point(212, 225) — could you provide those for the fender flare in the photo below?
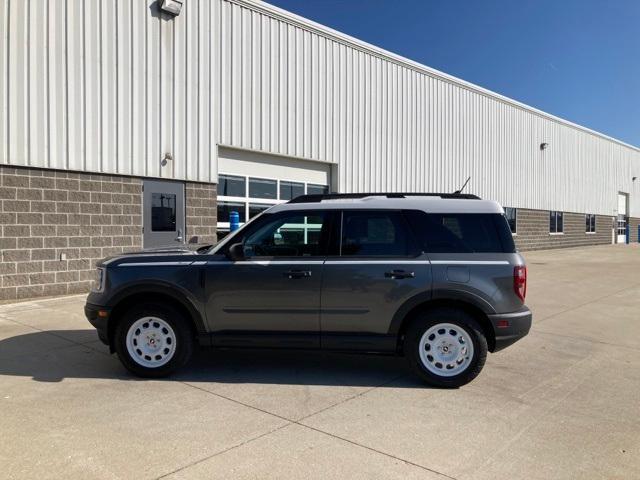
point(438, 294)
point(183, 297)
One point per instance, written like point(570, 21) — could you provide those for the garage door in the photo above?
point(250, 182)
point(622, 217)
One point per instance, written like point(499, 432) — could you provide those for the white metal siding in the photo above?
point(291, 87)
point(109, 86)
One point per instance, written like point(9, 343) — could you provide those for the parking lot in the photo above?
point(562, 403)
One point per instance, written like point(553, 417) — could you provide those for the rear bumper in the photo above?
point(510, 327)
point(100, 322)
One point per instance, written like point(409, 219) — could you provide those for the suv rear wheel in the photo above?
point(446, 347)
point(153, 340)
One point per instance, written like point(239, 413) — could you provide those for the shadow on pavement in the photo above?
point(52, 356)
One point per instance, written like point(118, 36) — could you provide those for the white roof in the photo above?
point(426, 204)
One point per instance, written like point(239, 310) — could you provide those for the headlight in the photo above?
point(98, 281)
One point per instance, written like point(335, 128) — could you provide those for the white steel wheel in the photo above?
point(446, 349)
point(151, 342)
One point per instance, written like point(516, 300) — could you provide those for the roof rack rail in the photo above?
point(343, 196)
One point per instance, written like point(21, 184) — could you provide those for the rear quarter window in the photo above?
point(461, 232)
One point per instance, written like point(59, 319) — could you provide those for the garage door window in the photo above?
point(290, 190)
point(257, 208)
point(232, 186)
point(263, 188)
point(225, 209)
point(317, 189)
point(250, 196)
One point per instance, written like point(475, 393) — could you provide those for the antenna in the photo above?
point(457, 192)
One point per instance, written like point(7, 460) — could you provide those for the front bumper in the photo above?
point(510, 327)
point(96, 316)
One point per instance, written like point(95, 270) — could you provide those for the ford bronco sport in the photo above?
point(433, 277)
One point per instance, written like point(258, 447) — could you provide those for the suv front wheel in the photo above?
point(153, 340)
point(446, 347)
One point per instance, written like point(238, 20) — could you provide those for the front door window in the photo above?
point(292, 235)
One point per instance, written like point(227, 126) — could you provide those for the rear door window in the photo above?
point(462, 232)
point(377, 233)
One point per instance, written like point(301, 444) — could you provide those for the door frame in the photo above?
point(149, 238)
point(622, 238)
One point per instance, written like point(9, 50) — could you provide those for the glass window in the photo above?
point(163, 212)
point(317, 189)
point(378, 233)
point(462, 232)
point(511, 215)
point(257, 208)
point(590, 223)
point(291, 235)
point(290, 190)
point(225, 208)
point(263, 188)
point(556, 222)
point(232, 186)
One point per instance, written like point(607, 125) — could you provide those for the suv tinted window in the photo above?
point(294, 234)
point(462, 232)
point(375, 233)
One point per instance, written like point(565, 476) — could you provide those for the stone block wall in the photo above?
point(533, 231)
point(55, 225)
point(201, 212)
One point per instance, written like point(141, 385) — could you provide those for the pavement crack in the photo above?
point(299, 423)
point(348, 399)
point(371, 449)
point(220, 452)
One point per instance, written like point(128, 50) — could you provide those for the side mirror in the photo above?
point(236, 252)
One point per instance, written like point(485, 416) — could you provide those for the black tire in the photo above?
point(462, 320)
point(184, 339)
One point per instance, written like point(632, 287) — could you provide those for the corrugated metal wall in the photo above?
point(111, 85)
point(291, 87)
point(107, 86)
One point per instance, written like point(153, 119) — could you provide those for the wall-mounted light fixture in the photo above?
point(634, 179)
point(171, 6)
point(544, 145)
point(166, 159)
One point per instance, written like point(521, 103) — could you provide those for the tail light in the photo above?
point(520, 281)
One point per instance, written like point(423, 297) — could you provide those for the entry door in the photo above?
point(275, 289)
point(163, 213)
point(622, 218)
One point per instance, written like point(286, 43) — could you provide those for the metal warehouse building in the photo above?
point(123, 126)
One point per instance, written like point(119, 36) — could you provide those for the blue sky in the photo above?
point(577, 59)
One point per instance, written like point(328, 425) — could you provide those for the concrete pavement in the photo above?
point(562, 403)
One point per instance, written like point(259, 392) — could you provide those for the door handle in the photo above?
point(297, 273)
point(399, 274)
point(179, 237)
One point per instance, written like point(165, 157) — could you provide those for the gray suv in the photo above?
point(433, 277)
